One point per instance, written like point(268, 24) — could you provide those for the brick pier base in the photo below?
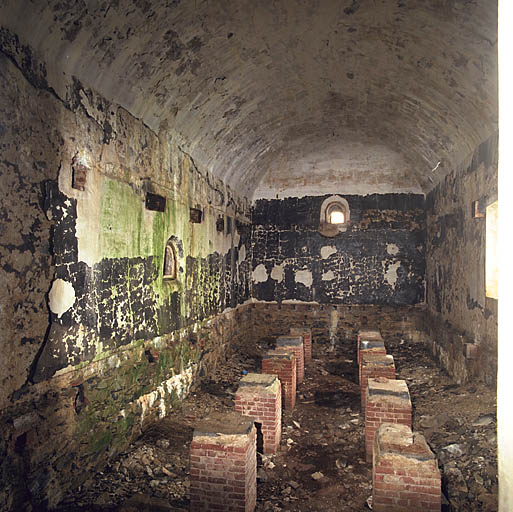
point(374, 365)
point(294, 344)
point(388, 401)
point(259, 397)
point(223, 464)
point(405, 475)
point(306, 333)
point(282, 363)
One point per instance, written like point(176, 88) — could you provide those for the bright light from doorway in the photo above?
point(337, 217)
point(492, 255)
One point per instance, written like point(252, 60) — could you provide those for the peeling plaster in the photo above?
point(327, 251)
point(278, 273)
point(304, 277)
point(61, 297)
point(391, 273)
point(260, 274)
point(328, 276)
point(392, 249)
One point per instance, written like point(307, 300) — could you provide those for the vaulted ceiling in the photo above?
point(287, 97)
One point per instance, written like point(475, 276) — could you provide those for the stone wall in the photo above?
point(378, 260)
point(94, 339)
point(460, 321)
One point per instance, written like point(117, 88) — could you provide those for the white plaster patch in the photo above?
point(328, 276)
point(277, 273)
point(260, 274)
point(304, 277)
point(392, 249)
point(61, 297)
point(391, 273)
point(327, 251)
point(242, 254)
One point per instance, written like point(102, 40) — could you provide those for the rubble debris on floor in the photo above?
point(320, 464)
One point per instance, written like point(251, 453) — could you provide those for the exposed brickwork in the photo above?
point(306, 333)
point(223, 465)
point(294, 344)
point(259, 397)
point(374, 365)
point(405, 473)
point(282, 363)
point(388, 401)
point(364, 337)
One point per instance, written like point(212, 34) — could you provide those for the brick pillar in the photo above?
point(294, 344)
point(365, 338)
point(306, 333)
point(223, 464)
point(388, 401)
point(369, 347)
point(259, 397)
point(374, 365)
point(405, 475)
point(282, 363)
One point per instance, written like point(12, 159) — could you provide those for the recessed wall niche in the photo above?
point(334, 216)
point(170, 261)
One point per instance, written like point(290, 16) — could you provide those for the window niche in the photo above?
point(334, 217)
point(170, 271)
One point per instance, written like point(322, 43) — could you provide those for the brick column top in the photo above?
point(369, 335)
point(373, 359)
point(278, 354)
point(397, 439)
point(300, 331)
point(371, 344)
point(264, 381)
point(218, 425)
point(287, 341)
point(381, 386)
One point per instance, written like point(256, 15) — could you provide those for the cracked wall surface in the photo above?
point(378, 260)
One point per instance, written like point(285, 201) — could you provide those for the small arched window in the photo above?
point(170, 261)
point(334, 217)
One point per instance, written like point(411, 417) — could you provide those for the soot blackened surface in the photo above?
point(380, 259)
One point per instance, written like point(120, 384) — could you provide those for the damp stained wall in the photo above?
point(94, 341)
point(460, 320)
point(380, 259)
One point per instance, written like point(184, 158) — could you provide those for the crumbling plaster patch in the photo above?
point(278, 272)
point(304, 277)
point(260, 274)
point(391, 273)
point(61, 297)
point(327, 251)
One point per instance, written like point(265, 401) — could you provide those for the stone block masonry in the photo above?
point(374, 365)
point(282, 363)
point(306, 333)
point(294, 344)
point(388, 401)
point(259, 397)
point(223, 464)
point(405, 475)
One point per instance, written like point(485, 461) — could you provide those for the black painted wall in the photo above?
point(380, 259)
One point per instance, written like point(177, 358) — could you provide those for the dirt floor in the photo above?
point(321, 462)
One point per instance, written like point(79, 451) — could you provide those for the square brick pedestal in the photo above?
point(366, 336)
point(223, 464)
point(405, 475)
point(294, 345)
point(282, 363)
point(374, 365)
point(306, 333)
point(259, 397)
point(388, 401)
